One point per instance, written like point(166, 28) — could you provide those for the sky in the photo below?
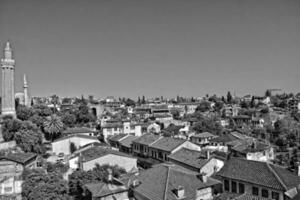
point(130, 48)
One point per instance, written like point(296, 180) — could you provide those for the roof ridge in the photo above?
point(160, 137)
point(167, 182)
point(276, 175)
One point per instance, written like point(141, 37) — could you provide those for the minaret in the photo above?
point(26, 96)
point(8, 84)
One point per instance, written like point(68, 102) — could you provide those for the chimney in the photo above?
point(298, 169)
point(207, 154)
point(179, 191)
point(202, 176)
point(109, 176)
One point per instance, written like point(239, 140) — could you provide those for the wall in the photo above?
point(7, 145)
point(63, 146)
point(248, 189)
point(122, 195)
point(212, 166)
point(187, 145)
point(204, 194)
point(127, 163)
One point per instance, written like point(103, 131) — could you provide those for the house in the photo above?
point(202, 139)
point(252, 149)
point(11, 168)
point(198, 161)
point(153, 128)
point(260, 179)
point(168, 181)
point(62, 145)
point(140, 145)
point(111, 189)
point(125, 145)
point(164, 146)
point(80, 130)
point(115, 139)
point(87, 159)
point(241, 120)
point(110, 129)
point(220, 143)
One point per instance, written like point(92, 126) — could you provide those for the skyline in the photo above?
point(158, 48)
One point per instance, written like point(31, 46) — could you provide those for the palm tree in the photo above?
point(53, 125)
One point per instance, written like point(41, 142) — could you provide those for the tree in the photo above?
point(69, 119)
point(56, 168)
point(175, 113)
point(99, 173)
point(218, 106)
point(42, 110)
point(53, 126)
point(268, 93)
point(73, 148)
point(38, 120)
point(40, 185)
point(129, 102)
point(24, 113)
point(10, 127)
point(29, 138)
point(203, 106)
point(229, 97)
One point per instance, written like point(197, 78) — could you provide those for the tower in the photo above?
point(25, 88)
point(8, 83)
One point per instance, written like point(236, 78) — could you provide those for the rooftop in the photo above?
point(203, 135)
point(160, 181)
point(96, 152)
point(101, 189)
point(22, 158)
point(117, 138)
point(225, 138)
point(147, 139)
point(259, 173)
point(167, 143)
point(126, 142)
point(78, 130)
point(189, 157)
point(77, 135)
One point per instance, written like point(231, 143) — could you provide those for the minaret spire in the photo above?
point(25, 87)
point(8, 82)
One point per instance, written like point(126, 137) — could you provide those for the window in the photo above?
point(255, 191)
point(265, 193)
point(241, 188)
point(8, 189)
point(226, 185)
point(160, 155)
point(233, 187)
point(275, 195)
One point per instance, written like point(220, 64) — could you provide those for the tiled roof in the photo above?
point(225, 138)
point(147, 139)
point(190, 157)
point(78, 130)
point(234, 196)
point(101, 189)
point(259, 173)
point(167, 143)
point(77, 135)
point(126, 142)
point(22, 158)
point(160, 181)
point(250, 146)
point(250, 197)
point(113, 125)
point(117, 137)
point(96, 152)
point(203, 135)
